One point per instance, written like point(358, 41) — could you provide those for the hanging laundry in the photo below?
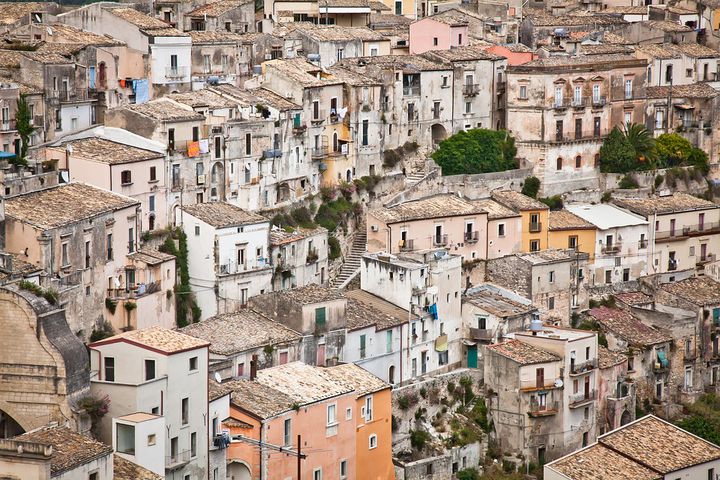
point(142, 91)
point(193, 149)
point(432, 309)
point(121, 82)
point(134, 84)
point(204, 146)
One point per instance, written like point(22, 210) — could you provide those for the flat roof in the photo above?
point(605, 216)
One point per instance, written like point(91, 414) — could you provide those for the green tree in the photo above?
point(476, 151)
point(617, 155)
point(704, 418)
point(23, 123)
point(643, 143)
point(531, 187)
point(672, 149)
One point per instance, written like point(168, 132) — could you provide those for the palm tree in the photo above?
point(642, 142)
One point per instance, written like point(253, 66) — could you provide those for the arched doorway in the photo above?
point(625, 418)
point(9, 427)
point(391, 374)
point(438, 133)
point(335, 145)
point(348, 176)
point(217, 180)
point(238, 471)
point(102, 76)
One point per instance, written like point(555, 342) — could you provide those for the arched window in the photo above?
point(559, 163)
point(597, 160)
point(335, 142)
point(151, 221)
point(578, 161)
point(348, 175)
point(102, 76)
point(391, 374)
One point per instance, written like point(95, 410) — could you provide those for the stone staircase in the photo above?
point(414, 178)
point(351, 267)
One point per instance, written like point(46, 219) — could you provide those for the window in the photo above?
point(193, 444)
point(87, 254)
point(241, 369)
point(539, 377)
point(559, 130)
point(628, 89)
point(365, 125)
point(711, 474)
point(151, 440)
point(468, 107)
point(195, 134)
point(573, 241)
point(626, 274)
point(362, 346)
point(578, 128)
point(197, 230)
point(577, 95)
point(248, 144)
point(596, 94)
point(343, 469)
point(459, 38)
point(131, 240)
point(501, 230)
point(331, 415)
point(317, 474)
point(218, 147)
point(372, 441)
point(368, 408)
point(287, 435)
point(125, 438)
point(149, 370)
point(523, 92)
point(185, 411)
point(551, 303)
point(551, 277)
point(435, 41)
point(608, 276)
point(388, 341)
point(558, 96)
point(193, 364)
point(320, 317)
point(109, 369)
point(688, 377)
point(108, 246)
point(559, 163)
point(628, 118)
point(534, 245)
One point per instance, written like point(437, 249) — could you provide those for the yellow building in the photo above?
point(534, 218)
point(567, 230)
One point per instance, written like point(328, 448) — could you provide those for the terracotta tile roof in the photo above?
point(10, 58)
point(626, 326)
point(616, 39)
point(157, 338)
point(608, 358)
point(106, 151)
point(406, 63)
point(517, 201)
point(232, 333)
point(492, 301)
point(604, 49)
point(74, 35)
point(692, 90)
point(626, 9)
point(164, 109)
point(215, 9)
point(12, 12)
point(202, 98)
point(464, 54)
point(351, 77)
point(633, 298)
point(698, 290)
point(215, 36)
point(64, 205)
point(48, 58)
point(20, 268)
point(348, 3)
point(381, 20)
point(667, 26)
point(658, 50)
point(436, 206)
point(147, 24)
point(599, 462)
point(223, 215)
point(361, 380)
point(660, 445)
point(377, 6)
point(256, 96)
point(695, 50)
point(523, 353)
point(310, 294)
point(564, 220)
point(70, 449)
point(139, 417)
point(278, 236)
point(150, 256)
point(261, 400)
point(304, 383)
point(217, 390)
point(547, 20)
point(589, 61)
point(336, 33)
point(365, 309)
point(302, 72)
point(127, 470)
point(677, 202)
point(495, 210)
point(548, 256)
point(236, 423)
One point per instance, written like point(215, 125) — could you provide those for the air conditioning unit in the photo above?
point(201, 179)
point(374, 228)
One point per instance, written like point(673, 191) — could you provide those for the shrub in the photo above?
point(418, 439)
point(130, 306)
point(407, 400)
point(347, 189)
point(606, 197)
point(111, 305)
point(96, 407)
point(531, 187)
point(617, 154)
point(468, 474)
point(476, 151)
point(101, 332)
point(327, 193)
point(628, 182)
point(334, 246)
point(47, 293)
point(302, 217)
point(659, 180)
point(555, 202)
point(390, 158)
point(411, 147)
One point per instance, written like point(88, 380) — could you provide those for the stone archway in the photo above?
point(237, 470)
point(438, 134)
point(625, 418)
point(217, 180)
point(10, 423)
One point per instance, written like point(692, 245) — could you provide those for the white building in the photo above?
point(140, 438)
point(621, 248)
point(163, 373)
point(299, 257)
point(228, 255)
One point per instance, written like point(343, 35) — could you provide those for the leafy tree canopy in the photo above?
point(476, 151)
point(617, 154)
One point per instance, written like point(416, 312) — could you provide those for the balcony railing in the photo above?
point(702, 260)
point(411, 91)
point(580, 399)
point(535, 227)
point(612, 249)
point(7, 125)
point(70, 95)
point(471, 89)
point(688, 230)
point(180, 459)
point(272, 153)
point(560, 104)
point(535, 409)
point(482, 334)
point(176, 72)
point(579, 102)
point(407, 245)
point(312, 256)
point(135, 291)
point(439, 240)
point(577, 368)
point(599, 101)
point(472, 236)
point(319, 152)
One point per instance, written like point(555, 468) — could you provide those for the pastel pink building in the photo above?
point(436, 33)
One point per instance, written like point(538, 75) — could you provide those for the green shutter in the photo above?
point(320, 317)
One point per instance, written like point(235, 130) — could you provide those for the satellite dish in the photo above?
point(218, 378)
point(558, 383)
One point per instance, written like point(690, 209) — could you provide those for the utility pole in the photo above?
point(286, 450)
point(300, 456)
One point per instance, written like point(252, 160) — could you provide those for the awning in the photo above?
point(469, 343)
point(441, 343)
point(684, 106)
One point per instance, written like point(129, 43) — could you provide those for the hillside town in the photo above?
point(360, 240)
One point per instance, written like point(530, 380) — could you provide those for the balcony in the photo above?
point(688, 231)
point(407, 245)
point(135, 291)
point(535, 227)
point(598, 102)
point(319, 152)
point(177, 461)
point(481, 334)
point(7, 125)
point(581, 399)
point(177, 73)
point(70, 95)
point(318, 116)
point(535, 409)
point(612, 249)
point(579, 103)
point(472, 237)
point(582, 367)
point(272, 153)
point(298, 128)
point(440, 240)
point(710, 257)
point(334, 117)
point(560, 104)
point(411, 91)
point(471, 89)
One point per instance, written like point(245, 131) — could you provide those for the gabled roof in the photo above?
point(304, 383)
point(102, 150)
point(436, 206)
point(70, 449)
point(692, 90)
point(365, 309)
point(523, 353)
point(497, 301)
point(600, 462)
point(565, 220)
point(677, 202)
point(223, 215)
point(360, 379)
point(157, 339)
point(164, 109)
point(127, 470)
point(147, 24)
point(628, 327)
point(517, 201)
point(260, 400)
point(215, 9)
point(697, 290)
point(12, 12)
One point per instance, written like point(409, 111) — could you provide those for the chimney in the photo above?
point(253, 367)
